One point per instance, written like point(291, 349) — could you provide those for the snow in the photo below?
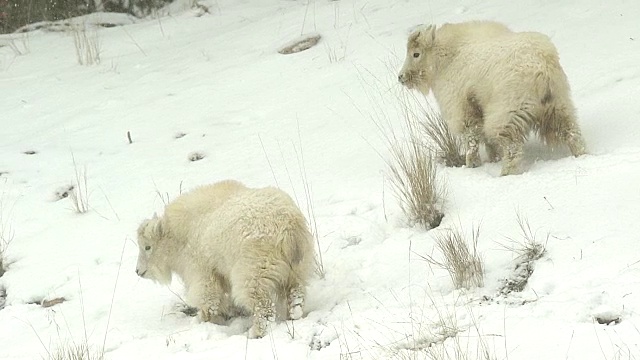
point(214, 84)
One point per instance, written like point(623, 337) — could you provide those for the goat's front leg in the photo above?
point(472, 139)
point(208, 295)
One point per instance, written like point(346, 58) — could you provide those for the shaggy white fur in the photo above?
point(237, 250)
point(494, 86)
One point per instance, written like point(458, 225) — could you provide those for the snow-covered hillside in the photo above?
point(215, 84)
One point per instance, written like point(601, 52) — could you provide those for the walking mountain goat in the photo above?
point(238, 250)
point(494, 86)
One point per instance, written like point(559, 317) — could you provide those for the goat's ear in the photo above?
point(413, 37)
point(423, 37)
point(158, 228)
point(432, 33)
point(428, 35)
point(151, 228)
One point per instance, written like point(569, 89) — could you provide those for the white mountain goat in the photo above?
point(494, 86)
point(237, 250)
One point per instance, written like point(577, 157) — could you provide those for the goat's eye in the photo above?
point(148, 247)
point(416, 54)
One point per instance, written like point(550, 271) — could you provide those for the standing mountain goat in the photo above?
point(237, 250)
point(494, 86)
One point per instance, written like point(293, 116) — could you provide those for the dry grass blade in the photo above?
point(461, 259)
point(165, 198)
point(79, 196)
point(310, 210)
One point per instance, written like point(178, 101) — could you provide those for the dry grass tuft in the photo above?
point(443, 337)
point(411, 168)
point(456, 349)
point(19, 44)
point(448, 147)
point(2, 270)
point(412, 171)
point(7, 232)
point(87, 45)
point(413, 176)
point(74, 352)
point(3, 297)
point(461, 259)
point(527, 249)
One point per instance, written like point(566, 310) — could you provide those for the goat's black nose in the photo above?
point(401, 78)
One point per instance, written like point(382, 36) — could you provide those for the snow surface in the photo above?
point(258, 116)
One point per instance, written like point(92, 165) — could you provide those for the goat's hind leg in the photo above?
point(511, 157)
point(254, 290)
point(511, 139)
point(493, 151)
point(296, 302)
point(264, 313)
point(562, 126)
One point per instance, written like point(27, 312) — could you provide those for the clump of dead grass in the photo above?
point(448, 147)
point(412, 171)
point(7, 232)
point(442, 336)
point(413, 176)
point(461, 258)
point(412, 168)
point(87, 44)
point(72, 351)
point(528, 249)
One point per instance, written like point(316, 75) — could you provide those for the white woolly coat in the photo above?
point(232, 246)
point(494, 85)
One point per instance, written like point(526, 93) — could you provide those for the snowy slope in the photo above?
point(258, 117)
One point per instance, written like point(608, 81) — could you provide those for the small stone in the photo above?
point(63, 192)
point(52, 302)
point(300, 44)
point(195, 156)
